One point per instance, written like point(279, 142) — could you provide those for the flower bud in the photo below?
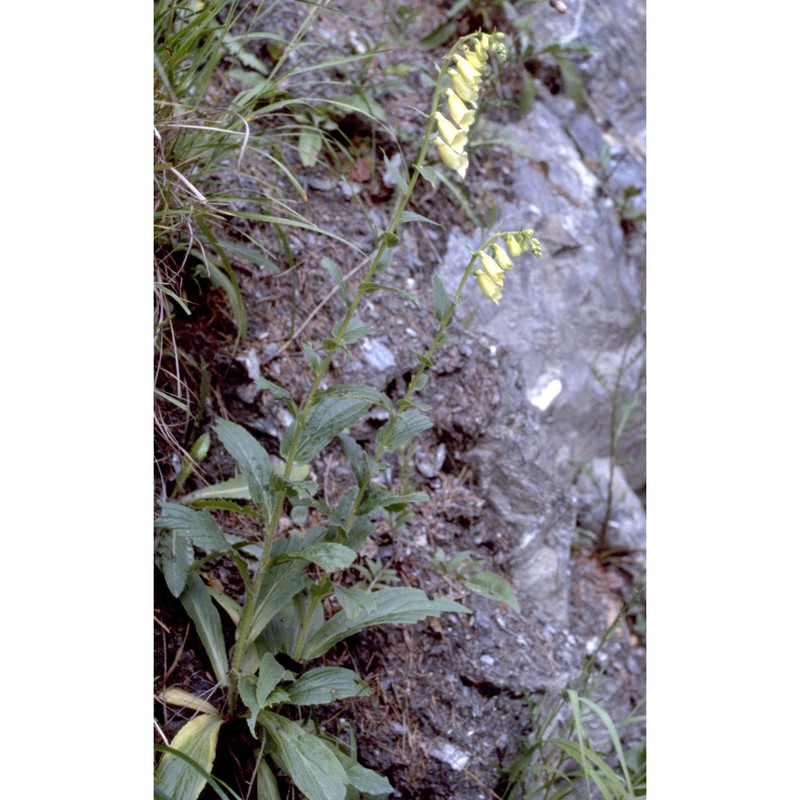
point(502, 258)
point(514, 246)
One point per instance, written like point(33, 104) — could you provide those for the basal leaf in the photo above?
point(368, 781)
point(355, 601)
point(202, 611)
point(393, 605)
point(270, 674)
point(313, 767)
point(236, 488)
point(308, 146)
point(326, 685)
point(197, 739)
point(199, 526)
point(253, 460)
point(266, 784)
point(175, 558)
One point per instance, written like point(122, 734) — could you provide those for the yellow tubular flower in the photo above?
point(457, 161)
point(468, 72)
point(492, 268)
point(455, 137)
point(489, 288)
point(468, 92)
point(458, 111)
point(502, 258)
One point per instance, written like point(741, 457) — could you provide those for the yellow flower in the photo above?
point(476, 59)
point(455, 137)
point(467, 91)
point(489, 287)
point(468, 72)
point(455, 160)
point(458, 111)
point(513, 246)
point(502, 258)
point(492, 268)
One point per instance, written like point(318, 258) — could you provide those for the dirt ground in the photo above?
point(450, 686)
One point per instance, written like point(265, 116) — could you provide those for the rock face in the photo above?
point(572, 323)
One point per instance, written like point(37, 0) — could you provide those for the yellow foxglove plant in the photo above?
point(471, 65)
point(283, 609)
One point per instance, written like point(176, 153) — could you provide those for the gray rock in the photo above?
point(627, 524)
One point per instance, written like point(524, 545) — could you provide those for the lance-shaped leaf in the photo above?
point(267, 785)
point(442, 301)
point(270, 674)
point(393, 605)
point(197, 739)
point(199, 526)
point(236, 488)
point(175, 557)
point(312, 766)
point(408, 425)
point(336, 410)
point(202, 611)
point(252, 458)
point(493, 587)
point(336, 274)
point(326, 685)
point(368, 781)
point(282, 582)
point(328, 555)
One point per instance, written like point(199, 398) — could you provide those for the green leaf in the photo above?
point(389, 239)
point(355, 601)
point(393, 605)
point(251, 255)
point(336, 274)
point(375, 287)
point(357, 457)
point(439, 35)
point(368, 781)
point(573, 82)
point(493, 587)
point(267, 785)
point(247, 691)
point(270, 674)
point(328, 555)
point(313, 359)
point(197, 739)
point(384, 261)
point(411, 216)
point(442, 301)
point(252, 458)
point(281, 584)
point(199, 526)
point(527, 93)
point(326, 685)
point(236, 488)
point(330, 416)
point(361, 104)
point(354, 331)
point(312, 766)
point(407, 426)
point(429, 173)
point(202, 611)
point(400, 180)
point(308, 146)
point(175, 558)
point(278, 391)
